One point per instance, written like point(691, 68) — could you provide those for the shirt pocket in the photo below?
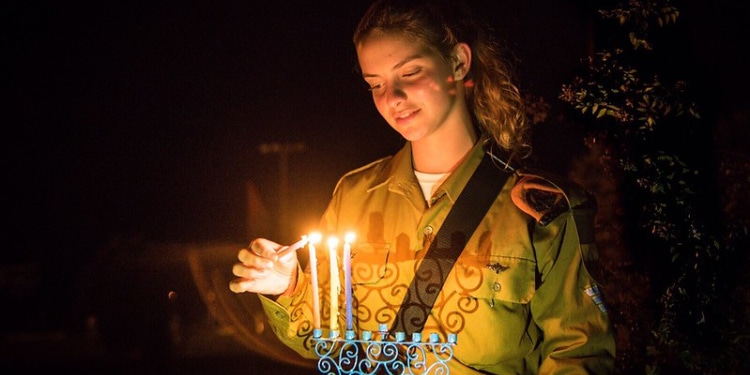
point(498, 278)
point(369, 262)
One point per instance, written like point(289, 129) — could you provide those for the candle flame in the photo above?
point(315, 237)
point(349, 237)
point(333, 242)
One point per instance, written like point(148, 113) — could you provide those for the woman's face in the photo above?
point(412, 87)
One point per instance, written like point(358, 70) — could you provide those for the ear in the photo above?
point(461, 59)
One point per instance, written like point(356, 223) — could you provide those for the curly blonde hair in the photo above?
point(496, 104)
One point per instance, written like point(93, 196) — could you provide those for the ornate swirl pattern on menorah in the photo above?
point(390, 354)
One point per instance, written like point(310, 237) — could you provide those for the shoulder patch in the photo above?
point(545, 196)
point(538, 198)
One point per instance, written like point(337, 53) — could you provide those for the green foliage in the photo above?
point(633, 119)
point(618, 92)
point(638, 16)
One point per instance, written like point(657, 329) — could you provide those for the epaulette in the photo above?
point(545, 196)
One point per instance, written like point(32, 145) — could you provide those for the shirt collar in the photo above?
point(397, 171)
point(398, 174)
point(457, 180)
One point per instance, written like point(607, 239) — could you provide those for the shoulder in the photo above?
point(368, 169)
point(545, 195)
point(364, 176)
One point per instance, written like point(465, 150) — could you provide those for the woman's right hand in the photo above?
point(266, 267)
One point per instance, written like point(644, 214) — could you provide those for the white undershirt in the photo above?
point(428, 181)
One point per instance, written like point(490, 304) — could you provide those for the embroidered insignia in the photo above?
point(539, 199)
point(497, 267)
point(596, 296)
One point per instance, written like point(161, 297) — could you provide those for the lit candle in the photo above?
point(347, 265)
point(312, 240)
point(335, 283)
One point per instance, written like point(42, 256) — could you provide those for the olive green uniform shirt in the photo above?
point(519, 297)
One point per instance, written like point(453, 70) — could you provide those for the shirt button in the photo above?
point(280, 315)
point(496, 286)
point(428, 230)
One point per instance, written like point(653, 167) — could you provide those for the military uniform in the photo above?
point(519, 298)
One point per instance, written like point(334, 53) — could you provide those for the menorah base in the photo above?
point(365, 356)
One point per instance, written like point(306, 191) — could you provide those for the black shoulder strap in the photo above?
point(470, 207)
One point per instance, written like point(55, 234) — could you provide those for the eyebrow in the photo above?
point(398, 64)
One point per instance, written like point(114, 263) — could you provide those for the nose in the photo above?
point(395, 95)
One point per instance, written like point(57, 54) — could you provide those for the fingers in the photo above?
point(270, 250)
point(264, 248)
point(249, 278)
point(251, 258)
point(243, 271)
point(241, 285)
point(261, 270)
point(236, 286)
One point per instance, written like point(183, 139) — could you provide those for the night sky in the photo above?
point(143, 119)
point(138, 119)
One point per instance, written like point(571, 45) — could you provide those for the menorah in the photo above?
point(382, 353)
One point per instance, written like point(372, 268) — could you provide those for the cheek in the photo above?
point(380, 104)
point(431, 90)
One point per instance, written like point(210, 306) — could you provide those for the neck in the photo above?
point(442, 154)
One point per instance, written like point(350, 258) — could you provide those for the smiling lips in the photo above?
point(405, 116)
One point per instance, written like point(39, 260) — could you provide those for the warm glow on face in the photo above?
point(411, 86)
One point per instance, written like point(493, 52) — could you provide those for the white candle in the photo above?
point(347, 265)
point(335, 282)
point(313, 239)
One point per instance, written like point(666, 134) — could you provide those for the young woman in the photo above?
point(516, 291)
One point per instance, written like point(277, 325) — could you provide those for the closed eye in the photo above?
point(412, 73)
point(375, 87)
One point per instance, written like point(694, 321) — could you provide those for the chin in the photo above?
point(408, 132)
point(411, 137)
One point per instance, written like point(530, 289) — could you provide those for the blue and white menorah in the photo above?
point(382, 353)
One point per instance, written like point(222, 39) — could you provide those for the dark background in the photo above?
point(146, 118)
point(140, 123)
